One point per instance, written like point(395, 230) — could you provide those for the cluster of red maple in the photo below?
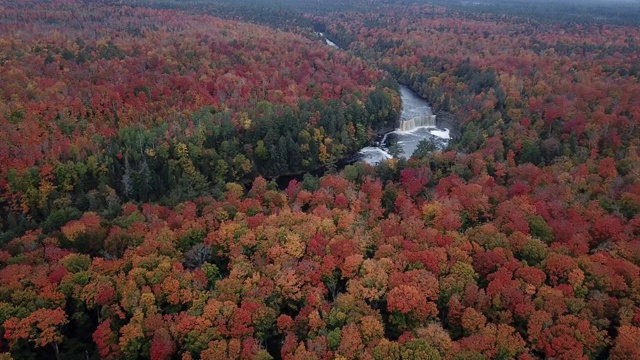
point(485, 268)
point(521, 243)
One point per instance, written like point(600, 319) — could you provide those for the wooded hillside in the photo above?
point(128, 134)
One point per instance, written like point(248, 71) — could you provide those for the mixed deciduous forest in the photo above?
point(141, 141)
point(155, 105)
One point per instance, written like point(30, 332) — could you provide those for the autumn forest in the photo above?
point(180, 180)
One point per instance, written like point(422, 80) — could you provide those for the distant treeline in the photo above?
point(290, 13)
point(582, 12)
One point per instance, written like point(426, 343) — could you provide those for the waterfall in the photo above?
point(384, 139)
point(418, 121)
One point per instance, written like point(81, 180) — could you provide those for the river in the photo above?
point(410, 131)
point(417, 123)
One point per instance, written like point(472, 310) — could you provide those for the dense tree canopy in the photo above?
point(137, 223)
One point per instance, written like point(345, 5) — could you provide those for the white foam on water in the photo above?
point(373, 155)
point(329, 42)
point(441, 133)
